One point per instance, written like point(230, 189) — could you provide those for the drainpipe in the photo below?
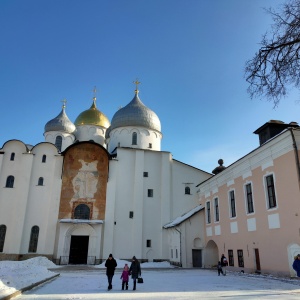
point(296, 154)
point(180, 255)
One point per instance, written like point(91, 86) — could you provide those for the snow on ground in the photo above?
point(161, 281)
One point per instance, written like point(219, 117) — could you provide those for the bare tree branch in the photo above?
point(275, 68)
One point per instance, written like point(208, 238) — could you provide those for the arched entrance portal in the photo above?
point(211, 254)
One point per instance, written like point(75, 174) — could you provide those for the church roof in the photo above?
point(92, 116)
point(136, 114)
point(60, 123)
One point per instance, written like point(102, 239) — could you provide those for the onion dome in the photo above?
point(60, 123)
point(92, 116)
point(136, 114)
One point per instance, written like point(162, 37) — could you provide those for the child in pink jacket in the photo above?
point(125, 277)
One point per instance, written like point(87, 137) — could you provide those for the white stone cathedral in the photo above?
point(92, 188)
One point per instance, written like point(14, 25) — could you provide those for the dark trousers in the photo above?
point(220, 271)
point(109, 278)
point(134, 283)
point(124, 284)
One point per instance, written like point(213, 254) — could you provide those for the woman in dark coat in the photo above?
point(110, 265)
point(296, 265)
point(135, 271)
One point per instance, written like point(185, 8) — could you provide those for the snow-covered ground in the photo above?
point(161, 281)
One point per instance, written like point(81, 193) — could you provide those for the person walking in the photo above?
point(110, 265)
point(224, 263)
point(296, 265)
point(219, 267)
point(125, 277)
point(135, 271)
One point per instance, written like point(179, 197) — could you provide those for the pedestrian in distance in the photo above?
point(224, 263)
point(135, 271)
point(110, 265)
point(296, 265)
point(125, 277)
point(219, 267)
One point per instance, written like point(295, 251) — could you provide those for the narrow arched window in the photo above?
point(2, 236)
point(34, 237)
point(187, 190)
point(41, 181)
point(44, 158)
point(10, 181)
point(58, 142)
point(12, 156)
point(134, 138)
point(82, 211)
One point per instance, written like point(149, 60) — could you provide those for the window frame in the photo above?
point(134, 139)
point(79, 215)
point(44, 158)
point(232, 204)
point(271, 188)
point(3, 230)
point(40, 181)
point(240, 255)
point(10, 181)
point(58, 142)
point(249, 201)
point(34, 239)
point(216, 210)
point(208, 212)
point(150, 193)
point(230, 258)
point(187, 190)
point(12, 156)
point(148, 243)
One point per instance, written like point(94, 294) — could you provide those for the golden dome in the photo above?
point(92, 116)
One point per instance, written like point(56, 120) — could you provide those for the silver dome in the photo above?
point(135, 114)
point(60, 123)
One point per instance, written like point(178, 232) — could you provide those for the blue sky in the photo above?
point(189, 56)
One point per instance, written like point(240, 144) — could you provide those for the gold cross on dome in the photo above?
point(64, 101)
point(136, 82)
point(95, 92)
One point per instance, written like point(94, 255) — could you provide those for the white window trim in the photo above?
point(206, 213)
point(266, 191)
point(215, 221)
point(229, 204)
point(246, 200)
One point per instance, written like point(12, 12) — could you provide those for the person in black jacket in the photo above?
point(110, 265)
point(135, 271)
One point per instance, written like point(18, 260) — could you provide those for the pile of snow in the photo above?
point(15, 275)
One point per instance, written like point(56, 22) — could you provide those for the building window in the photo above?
point(58, 142)
point(34, 237)
point(145, 174)
point(148, 243)
point(271, 191)
point(12, 156)
point(134, 138)
point(2, 236)
point(230, 258)
point(171, 253)
point(208, 219)
point(150, 145)
point(240, 258)
point(131, 214)
point(82, 211)
point(44, 158)
point(187, 190)
point(10, 181)
point(150, 192)
point(249, 198)
point(176, 253)
point(217, 216)
point(41, 181)
point(232, 204)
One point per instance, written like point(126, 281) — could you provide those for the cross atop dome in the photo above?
point(136, 82)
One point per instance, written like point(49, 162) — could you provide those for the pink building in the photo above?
point(252, 207)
